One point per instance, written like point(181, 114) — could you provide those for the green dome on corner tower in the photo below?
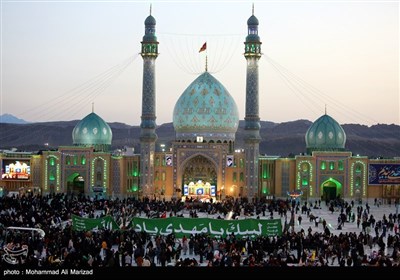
point(206, 109)
point(325, 134)
point(92, 131)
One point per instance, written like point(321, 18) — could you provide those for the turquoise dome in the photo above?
point(206, 109)
point(325, 134)
point(92, 131)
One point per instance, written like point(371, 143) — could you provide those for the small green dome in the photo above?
point(325, 134)
point(92, 131)
point(206, 109)
point(252, 20)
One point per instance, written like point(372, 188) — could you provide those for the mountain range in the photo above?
point(281, 139)
point(8, 118)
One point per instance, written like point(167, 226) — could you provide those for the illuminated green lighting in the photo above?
point(58, 174)
point(304, 168)
point(265, 174)
point(341, 165)
point(83, 160)
point(45, 174)
point(357, 169)
point(92, 179)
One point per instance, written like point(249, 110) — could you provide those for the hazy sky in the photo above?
point(59, 57)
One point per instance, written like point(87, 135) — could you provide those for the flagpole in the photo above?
point(204, 48)
point(206, 58)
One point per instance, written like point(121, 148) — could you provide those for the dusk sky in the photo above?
point(59, 57)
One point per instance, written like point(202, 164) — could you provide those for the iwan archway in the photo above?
point(75, 183)
point(199, 178)
point(331, 189)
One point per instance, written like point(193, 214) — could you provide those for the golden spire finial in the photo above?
point(252, 10)
point(92, 107)
point(325, 109)
point(206, 64)
point(150, 9)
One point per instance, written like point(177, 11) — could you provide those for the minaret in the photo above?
point(252, 120)
point(148, 136)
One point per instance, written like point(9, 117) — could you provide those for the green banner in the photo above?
point(213, 227)
point(80, 223)
point(187, 226)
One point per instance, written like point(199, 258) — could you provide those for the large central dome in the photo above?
point(205, 109)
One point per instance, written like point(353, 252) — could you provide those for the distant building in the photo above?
point(202, 162)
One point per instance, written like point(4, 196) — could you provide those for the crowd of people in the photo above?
point(376, 243)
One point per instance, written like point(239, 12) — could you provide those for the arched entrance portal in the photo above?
point(331, 189)
point(75, 184)
point(199, 179)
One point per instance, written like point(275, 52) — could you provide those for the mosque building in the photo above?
point(202, 161)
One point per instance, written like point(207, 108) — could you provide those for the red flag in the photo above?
point(164, 215)
point(204, 47)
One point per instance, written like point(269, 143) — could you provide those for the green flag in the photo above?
point(80, 223)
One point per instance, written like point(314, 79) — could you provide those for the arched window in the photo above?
point(341, 165)
point(52, 177)
point(358, 181)
point(83, 160)
point(241, 177)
